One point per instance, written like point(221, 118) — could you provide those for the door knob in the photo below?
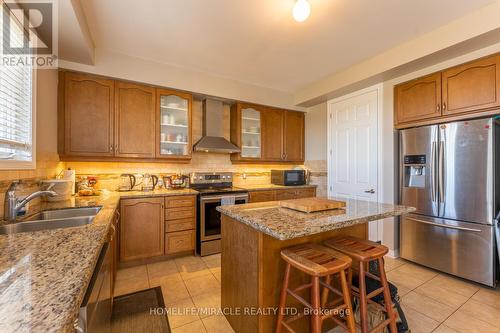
point(370, 191)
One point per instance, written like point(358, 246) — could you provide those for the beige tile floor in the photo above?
point(432, 301)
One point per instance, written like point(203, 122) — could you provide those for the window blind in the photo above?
point(15, 101)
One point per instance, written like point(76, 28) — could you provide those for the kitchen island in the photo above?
point(252, 238)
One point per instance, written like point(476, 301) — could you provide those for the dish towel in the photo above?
point(227, 201)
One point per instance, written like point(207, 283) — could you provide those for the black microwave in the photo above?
point(288, 177)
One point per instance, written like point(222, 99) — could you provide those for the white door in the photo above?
point(353, 160)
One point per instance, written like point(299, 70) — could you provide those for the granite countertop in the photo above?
point(44, 275)
point(284, 223)
point(263, 187)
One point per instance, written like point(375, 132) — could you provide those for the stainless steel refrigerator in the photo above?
point(447, 172)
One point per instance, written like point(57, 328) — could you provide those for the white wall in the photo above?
point(315, 122)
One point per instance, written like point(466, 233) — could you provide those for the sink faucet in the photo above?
point(13, 205)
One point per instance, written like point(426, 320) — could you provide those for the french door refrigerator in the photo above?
point(447, 172)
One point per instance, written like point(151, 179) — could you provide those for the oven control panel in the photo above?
point(211, 177)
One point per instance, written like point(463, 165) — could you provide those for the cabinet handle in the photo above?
point(444, 106)
point(111, 148)
point(438, 107)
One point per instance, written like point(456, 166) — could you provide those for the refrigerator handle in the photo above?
point(433, 171)
point(441, 172)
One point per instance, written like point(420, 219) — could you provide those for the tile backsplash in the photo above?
point(47, 166)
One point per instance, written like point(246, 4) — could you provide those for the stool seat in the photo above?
point(358, 249)
point(316, 260)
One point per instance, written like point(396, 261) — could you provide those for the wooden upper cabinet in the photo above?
point(472, 86)
point(142, 228)
point(88, 115)
point(135, 120)
point(246, 131)
point(418, 99)
point(293, 136)
point(272, 135)
point(173, 124)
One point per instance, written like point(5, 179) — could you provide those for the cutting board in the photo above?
point(310, 205)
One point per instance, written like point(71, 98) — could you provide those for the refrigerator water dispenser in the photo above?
point(414, 171)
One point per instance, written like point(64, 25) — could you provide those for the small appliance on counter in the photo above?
point(176, 181)
point(288, 177)
point(149, 182)
point(127, 182)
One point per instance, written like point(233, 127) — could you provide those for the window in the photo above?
point(16, 108)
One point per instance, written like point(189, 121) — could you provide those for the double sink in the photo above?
point(53, 219)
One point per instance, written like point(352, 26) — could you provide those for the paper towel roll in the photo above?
point(70, 175)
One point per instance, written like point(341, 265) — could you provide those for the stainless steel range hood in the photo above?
point(212, 140)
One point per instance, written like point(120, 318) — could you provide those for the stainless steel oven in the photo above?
point(210, 220)
point(215, 189)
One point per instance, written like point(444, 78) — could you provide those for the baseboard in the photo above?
point(393, 253)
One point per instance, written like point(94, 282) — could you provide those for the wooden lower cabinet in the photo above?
point(281, 194)
point(142, 228)
point(180, 224)
point(179, 241)
point(285, 194)
point(305, 192)
point(261, 196)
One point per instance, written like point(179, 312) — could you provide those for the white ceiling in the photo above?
point(257, 41)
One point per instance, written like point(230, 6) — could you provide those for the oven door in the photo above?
point(210, 218)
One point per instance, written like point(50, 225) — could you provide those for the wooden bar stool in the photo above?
point(317, 261)
point(365, 251)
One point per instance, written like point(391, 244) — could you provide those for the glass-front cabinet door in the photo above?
point(250, 133)
point(174, 124)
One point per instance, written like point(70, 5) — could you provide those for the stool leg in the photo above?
point(387, 297)
point(281, 312)
point(324, 295)
point(315, 303)
point(346, 291)
point(362, 299)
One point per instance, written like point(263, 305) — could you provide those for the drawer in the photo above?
point(305, 193)
point(180, 201)
point(261, 196)
point(285, 194)
point(180, 225)
point(179, 241)
point(179, 213)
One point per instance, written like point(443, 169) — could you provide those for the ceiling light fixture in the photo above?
point(301, 10)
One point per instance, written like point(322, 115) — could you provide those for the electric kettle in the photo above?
point(127, 182)
point(149, 182)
